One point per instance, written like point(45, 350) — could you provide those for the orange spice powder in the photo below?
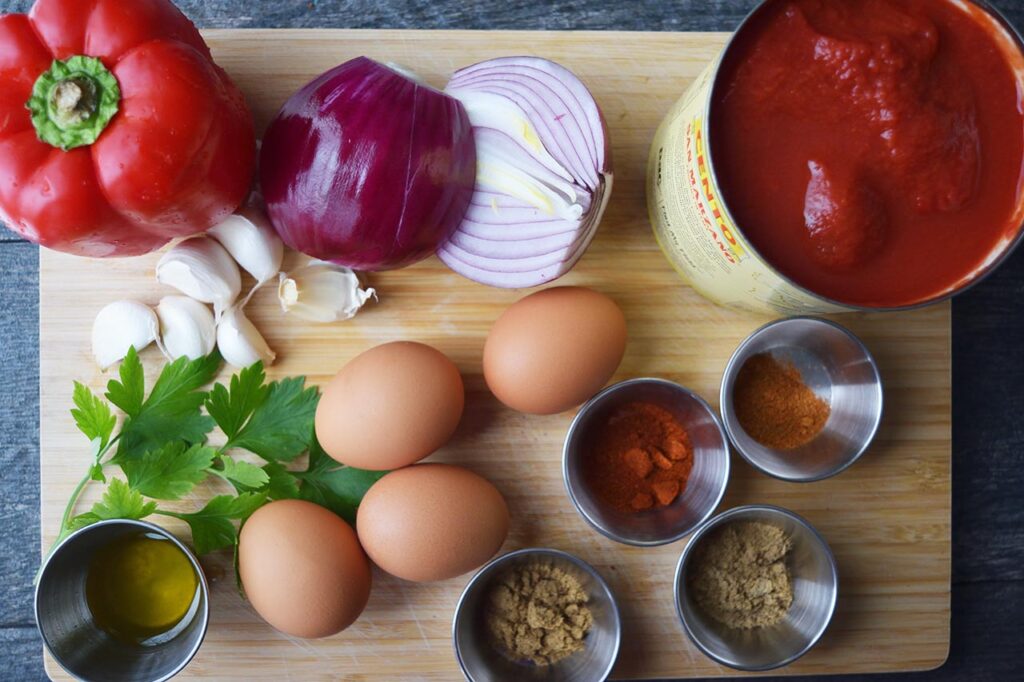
point(774, 405)
point(640, 458)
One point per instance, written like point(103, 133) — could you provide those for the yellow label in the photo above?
point(693, 227)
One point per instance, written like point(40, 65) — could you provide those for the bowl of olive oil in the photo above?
point(122, 600)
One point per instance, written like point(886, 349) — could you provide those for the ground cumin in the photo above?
point(640, 458)
point(739, 575)
point(538, 612)
point(774, 405)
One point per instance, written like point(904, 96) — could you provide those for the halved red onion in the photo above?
point(543, 172)
point(368, 167)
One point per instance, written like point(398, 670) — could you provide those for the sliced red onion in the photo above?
point(368, 167)
point(543, 172)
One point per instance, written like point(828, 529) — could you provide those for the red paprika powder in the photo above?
point(640, 458)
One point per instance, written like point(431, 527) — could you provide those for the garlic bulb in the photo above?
point(187, 328)
point(119, 326)
point(251, 240)
point(201, 268)
point(240, 343)
point(322, 292)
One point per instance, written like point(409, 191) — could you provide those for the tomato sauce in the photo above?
point(871, 150)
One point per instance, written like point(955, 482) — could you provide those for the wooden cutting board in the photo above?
point(887, 518)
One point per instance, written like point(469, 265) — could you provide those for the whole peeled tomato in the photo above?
point(368, 167)
point(303, 569)
point(118, 132)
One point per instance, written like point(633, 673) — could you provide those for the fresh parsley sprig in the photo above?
point(162, 448)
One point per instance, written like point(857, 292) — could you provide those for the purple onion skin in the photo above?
point(366, 168)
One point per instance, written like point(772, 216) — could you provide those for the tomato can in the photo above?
point(700, 238)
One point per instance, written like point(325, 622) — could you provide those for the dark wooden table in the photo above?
point(988, 350)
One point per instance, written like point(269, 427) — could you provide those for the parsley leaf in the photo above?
point(172, 410)
point(211, 526)
point(339, 488)
point(283, 485)
point(118, 502)
point(279, 426)
point(130, 391)
point(92, 416)
point(169, 472)
point(231, 409)
point(243, 475)
point(96, 473)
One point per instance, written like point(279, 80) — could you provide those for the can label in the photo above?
point(692, 227)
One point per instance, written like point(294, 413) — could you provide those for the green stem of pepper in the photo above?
point(73, 102)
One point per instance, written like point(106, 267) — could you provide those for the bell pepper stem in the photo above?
point(73, 102)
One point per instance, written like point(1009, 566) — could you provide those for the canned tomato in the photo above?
point(843, 156)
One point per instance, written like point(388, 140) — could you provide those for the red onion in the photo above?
point(367, 167)
point(543, 172)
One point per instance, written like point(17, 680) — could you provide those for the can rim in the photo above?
point(979, 275)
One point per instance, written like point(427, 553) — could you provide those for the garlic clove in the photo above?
point(201, 268)
point(322, 292)
point(252, 241)
point(119, 326)
point(240, 343)
point(187, 328)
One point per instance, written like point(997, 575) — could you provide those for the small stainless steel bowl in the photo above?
point(834, 364)
point(75, 641)
point(704, 488)
point(481, 661)
point(815, 589)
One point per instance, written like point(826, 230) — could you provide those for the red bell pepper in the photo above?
point(117, 130)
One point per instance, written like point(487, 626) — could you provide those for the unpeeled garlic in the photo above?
point(251, 240)
point(322, 292)
point(240, 343)
point(201, 268)
point(119, 326)
point(187, 328)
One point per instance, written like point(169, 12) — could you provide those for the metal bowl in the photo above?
point(75, 641)
point(834, 364)
point(704, 488)
point(482, 662)
point(815, 589)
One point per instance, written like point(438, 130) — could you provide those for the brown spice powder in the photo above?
point(774, 405)
point(538, 613)
point(739, 575)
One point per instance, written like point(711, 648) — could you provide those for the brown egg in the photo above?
point(303, 569)
point(432, 522)
point(390, 406)
point(554, 349)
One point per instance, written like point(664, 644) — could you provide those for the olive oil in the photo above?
point(140, 587)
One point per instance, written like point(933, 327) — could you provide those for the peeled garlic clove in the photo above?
point(120, 326)
point(322, 292)
point(251, 240)
point(240, 343)
point(201, 268)
point(186, 327)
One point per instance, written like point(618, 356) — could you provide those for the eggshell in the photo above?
point(303, 569)
point(390, 406)
point(554, 349)
point(432, 522)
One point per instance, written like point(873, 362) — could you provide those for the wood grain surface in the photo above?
point(887, 518)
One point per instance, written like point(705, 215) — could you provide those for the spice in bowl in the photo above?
point(641, 458)
point(538, 612)
point(774, 405)
point(739, 575)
